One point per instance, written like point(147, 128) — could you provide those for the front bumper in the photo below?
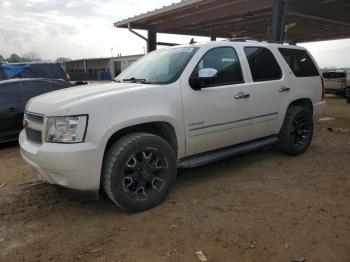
point(319, 109)
point(74, 166)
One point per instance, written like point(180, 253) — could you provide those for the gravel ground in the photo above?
point(261, 206)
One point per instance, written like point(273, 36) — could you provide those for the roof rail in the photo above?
point(241, 39)
point(247, 39)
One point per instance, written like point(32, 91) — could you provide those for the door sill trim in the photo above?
point(226, 152)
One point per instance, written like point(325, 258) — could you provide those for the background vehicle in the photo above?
point(337, 82)
point(182, 106)
point(33, 70)
point(14, 95)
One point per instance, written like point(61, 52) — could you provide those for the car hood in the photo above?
point(59, 102)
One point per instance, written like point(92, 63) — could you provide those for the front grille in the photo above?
point(35, 118)
point(33, 135)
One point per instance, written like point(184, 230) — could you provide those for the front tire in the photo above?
point(138, 172)
point(296, 132)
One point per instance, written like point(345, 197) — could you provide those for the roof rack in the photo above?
point(247, 39)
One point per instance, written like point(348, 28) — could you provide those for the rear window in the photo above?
point(334, 75)
point(263, 64)
point(2, 74)
point(53, 71)
point(299, 62)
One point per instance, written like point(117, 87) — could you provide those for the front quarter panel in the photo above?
point(142, 104)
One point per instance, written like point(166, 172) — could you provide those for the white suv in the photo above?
point(176, 107)
point(337, 82)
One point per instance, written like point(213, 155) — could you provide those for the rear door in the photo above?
point(10, 111)
point(269, 89)
point(303, 73)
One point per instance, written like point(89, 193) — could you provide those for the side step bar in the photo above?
point(220, 154)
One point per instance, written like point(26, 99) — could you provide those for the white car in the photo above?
point(182, 106)
point(337, 82)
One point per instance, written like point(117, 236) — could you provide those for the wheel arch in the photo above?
point(304, 102)
point(160, 128)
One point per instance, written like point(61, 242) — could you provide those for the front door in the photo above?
point(219, 114)
point(11, 115)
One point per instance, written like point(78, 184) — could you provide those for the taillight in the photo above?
point(323, 87)
point(67, 78)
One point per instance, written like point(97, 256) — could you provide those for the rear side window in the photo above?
point(299, 62)
point(263, 64)
point(225, 61)
point(53, 71)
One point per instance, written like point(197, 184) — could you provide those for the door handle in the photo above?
point(241, 95)
point(12, 109)
point(284, 89)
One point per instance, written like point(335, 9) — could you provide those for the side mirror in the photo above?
point(205, 78)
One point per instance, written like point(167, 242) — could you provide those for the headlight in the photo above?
point(66, 129)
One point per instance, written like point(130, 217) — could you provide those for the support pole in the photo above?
point(151, 41)
point(278, 18)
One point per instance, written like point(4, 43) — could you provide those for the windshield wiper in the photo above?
point(137, 80)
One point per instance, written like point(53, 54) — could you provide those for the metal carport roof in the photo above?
point(304, 20)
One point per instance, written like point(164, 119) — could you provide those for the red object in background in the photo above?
point(66, 78)
point(323, 87)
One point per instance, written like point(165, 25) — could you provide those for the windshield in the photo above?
point(163, 66)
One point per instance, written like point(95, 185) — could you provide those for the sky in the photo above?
point(84, 29)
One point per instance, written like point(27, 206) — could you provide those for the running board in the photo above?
point(220, 154)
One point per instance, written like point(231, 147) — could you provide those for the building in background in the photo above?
point(98, 68)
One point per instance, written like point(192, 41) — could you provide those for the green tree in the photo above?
point(2, 59)
point(14, 58)
point(62, 59)
point(31, 57)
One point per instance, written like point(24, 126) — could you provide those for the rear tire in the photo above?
point(138, 172)
point(347, 93)
point(296, 132)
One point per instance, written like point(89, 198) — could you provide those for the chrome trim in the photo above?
point(236, 121)
point(34, 118)
point(33, 135)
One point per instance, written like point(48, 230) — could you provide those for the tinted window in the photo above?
point(53, 71)
point(300, 62)
point(8, 94)
point(27, 73)
point(34, 88)
point(329, 75)
point(225, 61)
point(2, 74)
point(57, 86)
point(263, 64)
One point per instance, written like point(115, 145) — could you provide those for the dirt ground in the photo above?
point(261, 206)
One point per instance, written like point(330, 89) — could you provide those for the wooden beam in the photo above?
point(314, 9)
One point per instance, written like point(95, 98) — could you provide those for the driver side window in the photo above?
point(226, 62)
